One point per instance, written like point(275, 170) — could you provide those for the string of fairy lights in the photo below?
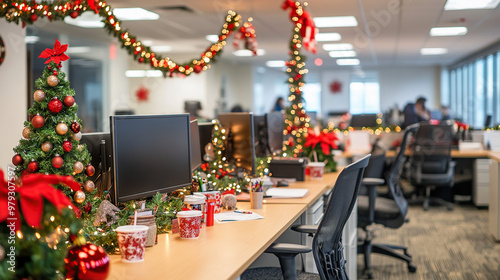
point(29, 12)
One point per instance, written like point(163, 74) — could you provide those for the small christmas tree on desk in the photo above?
point(50, 143)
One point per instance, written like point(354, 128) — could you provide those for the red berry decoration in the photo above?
point(55, 105)
point(75, 127)
point(37, 121)
point(57, 161)
point(33, 167)
point(33, 17)
point(17, 159)
point(87, 261)
point(55, 72)
point(87, 207)
point(89, 170)
point(69, 101)
point(67, 146)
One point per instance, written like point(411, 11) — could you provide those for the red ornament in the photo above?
point(55, 105)
point(67, 146)
point(197, 68)
point(75, 127)
point(142, 94)
point(56, 54)
point(55, 72)
point(89, 170)
point(17, 159)
point(87, 262)
point(37, 121)
point(69, 101)
point(141, 59)
point(74, 14)
point(57, 161)
point(33, 167)
point(88, 207)
point(33, 17)
point(336, 87)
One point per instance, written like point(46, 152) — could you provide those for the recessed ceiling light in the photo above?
point(337, 47)
point(342, 53)
point(433, 51)
point(161, 48)
point(348, 61)
point(31, 39)
point(125, 14)
point(75, 50)
point(275, 63)
point(147, 43)
point(86, 20)
point(469, 5)
point(325, 37)
point(448, 31)
point(143, 73)
point(248, 52)
point(212, 38)
point(346, 21)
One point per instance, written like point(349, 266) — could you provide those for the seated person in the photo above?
point(415, 112)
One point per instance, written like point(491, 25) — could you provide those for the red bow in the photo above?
point(231, 191)
point(308, 29)
point(56, 54)
point(34, 188)
point(327, 140)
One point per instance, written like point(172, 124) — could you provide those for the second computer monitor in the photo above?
point(275, 125)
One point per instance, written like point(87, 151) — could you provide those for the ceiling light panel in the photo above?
point(327, 37)
point(433, 51)
point(347, 61)
point(452, 5)
point(337, 47)
point(342, 53)
point(448, 31)
point(346, 21)
point(126, 14)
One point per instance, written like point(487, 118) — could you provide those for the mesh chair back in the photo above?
point(327, 244)
point(433, 147)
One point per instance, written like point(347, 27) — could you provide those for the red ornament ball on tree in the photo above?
point(37, 121)
point(55, 105)
point(69, 101)
point(89, 170)
point(33, 167)
point(33, 17)
point(67, 146)
point(57, 161)
point(17, 159)
point(197, 68)
point(74, 14)
point(75, 127)
point(87, 262)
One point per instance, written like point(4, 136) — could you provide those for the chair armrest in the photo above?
point(287, 248)
point(372, 181)
point(310, 229)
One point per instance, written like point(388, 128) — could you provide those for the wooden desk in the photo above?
point(223, 251)
point(494, 196)
point(454, 153)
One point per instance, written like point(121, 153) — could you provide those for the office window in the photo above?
point(364, 97)
point(460, 91)
point(479, 101)
point(453, 92)
point(496, 119)
point(312, 97)
point(489, 86)
point(465, 92)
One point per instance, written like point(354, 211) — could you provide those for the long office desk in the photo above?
point(454, 153)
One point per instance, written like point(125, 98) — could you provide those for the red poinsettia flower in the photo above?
point(56, 54)
point(327, 140)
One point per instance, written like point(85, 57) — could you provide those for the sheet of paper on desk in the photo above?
point(232, 216)
point(286, 193)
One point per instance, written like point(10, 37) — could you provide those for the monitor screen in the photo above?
point(275, 126)
point(195, 145)
point(205, 133)
point(364, 120)
point(97, 152)
point(260, 130)
point(151, 153)
point(241, 141)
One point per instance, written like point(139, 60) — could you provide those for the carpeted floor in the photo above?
point(444, 244)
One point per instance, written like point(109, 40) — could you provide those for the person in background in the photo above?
point(279, 105)
point(415, 112)
point(445, 111)
point(237, 108)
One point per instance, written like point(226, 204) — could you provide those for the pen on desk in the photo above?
point(242, 212)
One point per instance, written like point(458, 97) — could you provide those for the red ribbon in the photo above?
point(327, 140)
point(34, 188)
point(307, 30)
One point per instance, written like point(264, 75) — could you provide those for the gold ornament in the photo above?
point(39, 95)
point(77, 136)
point(47, 147)
point(62, 128)
point(79, 196)
point(52, 81)
point(89, 186)
point(78, 167)
point(80, 148)
point(26, 133)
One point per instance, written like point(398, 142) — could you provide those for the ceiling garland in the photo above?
point(28, 12)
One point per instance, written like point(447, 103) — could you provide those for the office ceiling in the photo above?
point(398, 29)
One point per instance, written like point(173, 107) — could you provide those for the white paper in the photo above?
point(286, 192)
point(232, 216)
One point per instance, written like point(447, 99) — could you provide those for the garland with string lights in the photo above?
point(28, 13)
point(296, 119)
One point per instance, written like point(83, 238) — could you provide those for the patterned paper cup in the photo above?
point(189, 223)
point(132, 242)
point(218, 199)
point(316, 170)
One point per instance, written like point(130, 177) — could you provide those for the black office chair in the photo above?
point(431, 162)
point(390, 212)
point(327, 244)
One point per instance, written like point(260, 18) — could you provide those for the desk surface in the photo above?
point(223, 251)
point(494, 155)
point(454, 153)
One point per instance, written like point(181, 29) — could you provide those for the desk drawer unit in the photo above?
point(480, 189)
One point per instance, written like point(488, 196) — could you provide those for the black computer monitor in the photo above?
point(195, 145)
point(260, 134)
point(240, 148)
point(151, 153)
point(364, 120)
point(205, 133)
point(275, 125)
point(99, 146)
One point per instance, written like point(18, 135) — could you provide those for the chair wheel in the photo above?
point(412, 268)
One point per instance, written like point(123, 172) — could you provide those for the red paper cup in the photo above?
point(189, 223)
point(316, 170)
point(218, 199)
point(132, 242)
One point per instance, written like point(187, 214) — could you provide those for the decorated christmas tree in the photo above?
point(50, 143)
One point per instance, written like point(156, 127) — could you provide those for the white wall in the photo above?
point(13, 81)
point(339, 101)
